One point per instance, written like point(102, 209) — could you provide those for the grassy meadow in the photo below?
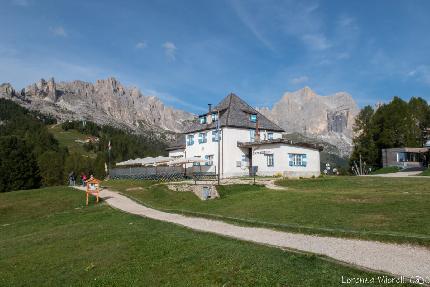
point(388, 169)
point(426, 172)
point(385, 209)
point(68, 139)
point(49, 238)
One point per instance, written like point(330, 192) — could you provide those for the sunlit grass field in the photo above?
point(48, 237)
point(385, 209)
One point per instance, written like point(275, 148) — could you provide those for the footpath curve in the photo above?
point(397, 259)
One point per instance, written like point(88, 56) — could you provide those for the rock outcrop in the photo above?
point(328, 118)
point(104, 102)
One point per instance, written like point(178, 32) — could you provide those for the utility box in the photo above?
point(206, 192)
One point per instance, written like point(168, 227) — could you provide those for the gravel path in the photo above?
point(409, 174)
point(405, 260)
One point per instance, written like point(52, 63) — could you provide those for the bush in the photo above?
point(51, 165)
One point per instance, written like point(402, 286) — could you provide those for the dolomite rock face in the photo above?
point(7, 90)
point(45, 90)
point(328, 118)
point(104, 102)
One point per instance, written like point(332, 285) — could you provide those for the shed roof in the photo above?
point(280, 141)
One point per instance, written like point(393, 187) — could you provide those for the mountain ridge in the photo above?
point(327, 118)
point(106, 101)
point(321, 118)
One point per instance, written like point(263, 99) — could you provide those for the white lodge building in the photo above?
point(247, 138)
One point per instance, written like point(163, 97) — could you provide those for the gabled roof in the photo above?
point(234, 112)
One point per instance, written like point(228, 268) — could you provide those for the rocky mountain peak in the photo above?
point(6, 89)
point(46, 90)
point(308, 92)
point(106, 101)
point(305, 112)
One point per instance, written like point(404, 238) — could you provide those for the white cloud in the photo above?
point(412, 73)
point(22, 3)
point(58, 31)
point(345, 21)
point(299, 80)
point(170, 50)
point(248, 19)
point(343, 56)
point(167, 98)
point(22, 69)
point(141, 45)
point(421, 73)
point(316, 41)
point(271, 20)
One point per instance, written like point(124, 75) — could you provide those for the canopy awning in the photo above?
point(159, 160)
point(145, 161)
point(185, 160)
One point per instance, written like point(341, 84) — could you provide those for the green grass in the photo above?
point(67, 139)
point(385, 209)
point(426, 172)
point(388, 169)
point(49, 238)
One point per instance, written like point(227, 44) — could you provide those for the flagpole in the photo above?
point(109, 148)
point(218, 133)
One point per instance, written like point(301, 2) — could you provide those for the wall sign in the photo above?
point(263, 152)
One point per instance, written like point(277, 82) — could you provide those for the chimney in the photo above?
point(209, 116)
point(257, 131)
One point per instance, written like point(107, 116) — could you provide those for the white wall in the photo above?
point(281, 161)
point(201, 150)
point(231, 154)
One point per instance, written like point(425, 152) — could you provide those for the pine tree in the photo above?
point(396, 124)
point(18, 166)
point(364, 143)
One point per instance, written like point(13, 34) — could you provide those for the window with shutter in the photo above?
point(296, 159)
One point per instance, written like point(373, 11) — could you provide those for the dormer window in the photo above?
point(202, 119)
point(214, 117)
point(253, 118)
point(203, 138)
point(190, 140)
point(270, 136)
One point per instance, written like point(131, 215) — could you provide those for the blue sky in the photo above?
point(191, 53)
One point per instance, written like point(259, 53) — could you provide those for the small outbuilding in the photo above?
point(406, 157)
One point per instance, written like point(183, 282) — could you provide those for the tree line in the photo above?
point(30, 156)
point(396, 124)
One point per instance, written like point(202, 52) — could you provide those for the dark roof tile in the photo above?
point(234, 112)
